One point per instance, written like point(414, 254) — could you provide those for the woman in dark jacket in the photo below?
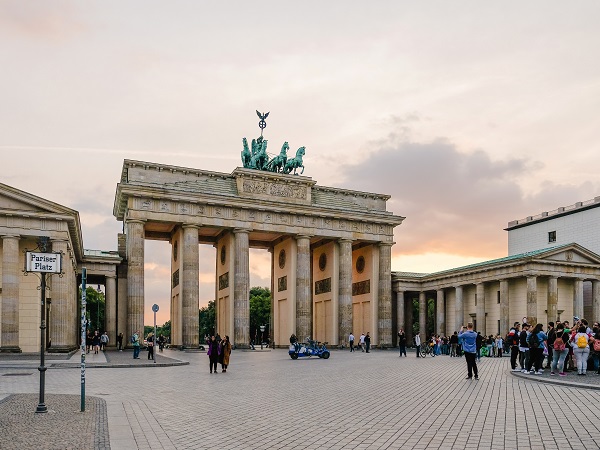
point(213, 353)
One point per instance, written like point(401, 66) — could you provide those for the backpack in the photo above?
point(133, 338)
point(534, 341)
point(597, 345)
point(582, 342)
point(559, 344)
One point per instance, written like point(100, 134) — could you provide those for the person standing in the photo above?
point(499, 346)
point(161, 342)
point(536, 342)
point(478, 344)
point(561, 350)
point(418, 344)
point(453, 344)
point(135, 340)
point(96, 342)
point(225, 353)
point(120, 342)
point(367, 342)
point(513, 340)
point(150, 344)
point(103, 341)
point(351, 341)
point(524, 348)
point(581, 349)
point(361, 342)
point(468, 339)
point(402, 342)
point(213, 354)
point(551, 337)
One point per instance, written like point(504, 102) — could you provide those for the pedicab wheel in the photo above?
point(325, 355)
point(294, 355)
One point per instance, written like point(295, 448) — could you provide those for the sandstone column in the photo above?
point(303, 289)
point(61, 319)
point(552, 302)
point(595, 300)
point(409, 321)
point(345, 289)
point(110, 312)
point(578, 298)
point(532, 300)
point(441, 313)
point(480, 308)
point(504, 308)
point(135, 278)
point(385, 294)
point(460, 309)
point(190, 288)
point(400, 309)
point(10, 294)
point(422, 316)
point(241, 294)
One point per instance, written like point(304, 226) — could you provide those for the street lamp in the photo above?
point(262, 336)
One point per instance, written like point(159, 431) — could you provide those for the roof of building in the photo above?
point(559, 212)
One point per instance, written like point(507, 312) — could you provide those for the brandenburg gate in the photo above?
point(330, 250)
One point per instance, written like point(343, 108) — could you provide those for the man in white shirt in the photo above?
point(418, 344)
point(361, 342)
point(351, 341)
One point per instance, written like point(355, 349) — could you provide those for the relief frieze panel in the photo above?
point(274, 189)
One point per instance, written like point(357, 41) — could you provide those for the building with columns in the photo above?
point(542, 285)
point(330, 250)
point(24, 218)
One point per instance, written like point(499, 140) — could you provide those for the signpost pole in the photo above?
point(83, 331)
point(155, 309)
point(41, 407)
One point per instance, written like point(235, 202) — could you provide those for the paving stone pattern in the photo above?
point(351, 401)
point(64, 426)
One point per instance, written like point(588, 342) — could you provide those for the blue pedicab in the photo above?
point(308, 349)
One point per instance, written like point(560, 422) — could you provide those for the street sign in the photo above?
point(43, 262)
point(155, 307)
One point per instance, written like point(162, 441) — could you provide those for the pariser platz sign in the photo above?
point(43, 262)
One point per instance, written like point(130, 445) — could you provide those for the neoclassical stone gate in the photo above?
point(331, 250)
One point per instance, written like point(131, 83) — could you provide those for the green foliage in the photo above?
point(430, 316)
point(207, 320)
point(260, 313)
point(165, 330)
point(95, 308)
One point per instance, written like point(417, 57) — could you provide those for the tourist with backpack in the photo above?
point(537, 342)
point(513, 340)
point(551, 336)
point(560, 350)
point(581, 349)
point(135, 341)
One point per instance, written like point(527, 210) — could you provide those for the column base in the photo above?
point(242, 346)
point(11, 349)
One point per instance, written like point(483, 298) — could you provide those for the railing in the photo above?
point(554, 212)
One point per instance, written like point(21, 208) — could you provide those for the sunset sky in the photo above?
point(469, 114)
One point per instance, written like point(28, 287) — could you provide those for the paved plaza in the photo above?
point(353, 400)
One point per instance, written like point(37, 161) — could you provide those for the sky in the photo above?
point(469, 114)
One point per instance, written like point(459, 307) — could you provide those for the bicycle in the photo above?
point(427, 349)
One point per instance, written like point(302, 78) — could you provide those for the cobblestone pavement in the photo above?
point(353, 400)
point(63, 426)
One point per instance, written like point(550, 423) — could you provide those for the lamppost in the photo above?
point(262, 336)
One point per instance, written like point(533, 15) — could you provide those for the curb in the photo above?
point(553, 381)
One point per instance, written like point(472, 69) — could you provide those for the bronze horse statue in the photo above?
point(246, 155)
point(295, 163)
point(260, 158)
point(277, 163)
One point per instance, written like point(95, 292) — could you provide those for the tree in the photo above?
point(207, 320)
point(95, 308)
point(260, 312)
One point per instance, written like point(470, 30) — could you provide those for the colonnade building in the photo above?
point(330, 264)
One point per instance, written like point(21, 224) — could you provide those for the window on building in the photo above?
point(475, 299)
point(498, 327)
point(498, 297)
point(551, 236)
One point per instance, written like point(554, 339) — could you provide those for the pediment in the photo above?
point(14, 201)
point(571, 254)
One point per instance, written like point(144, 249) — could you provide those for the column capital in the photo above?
point(385, 244)
point(344, 240)
point(110, 276)
point(303, 236)
point(11, 236)
point(142, 221)
point(241, 230)
point(190, 225)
